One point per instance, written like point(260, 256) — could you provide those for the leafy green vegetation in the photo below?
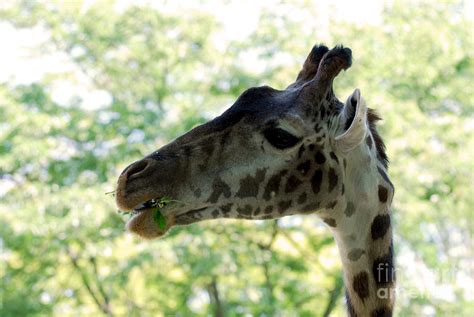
point(64, 248)
point(158, 216)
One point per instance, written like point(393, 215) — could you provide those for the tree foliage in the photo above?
point(63, 245)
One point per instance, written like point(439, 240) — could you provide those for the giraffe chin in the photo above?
point(144, 225)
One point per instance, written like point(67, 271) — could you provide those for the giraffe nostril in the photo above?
point(136, 169)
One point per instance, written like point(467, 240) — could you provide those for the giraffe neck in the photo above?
point(364, 238)
point(368, 274)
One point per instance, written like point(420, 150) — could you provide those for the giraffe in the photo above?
point(276, 153)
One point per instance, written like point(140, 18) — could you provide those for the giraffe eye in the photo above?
point(279, 138)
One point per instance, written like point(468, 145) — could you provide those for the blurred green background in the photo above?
point(101, 84)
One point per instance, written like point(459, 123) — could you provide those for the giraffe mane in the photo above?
point(373, 117)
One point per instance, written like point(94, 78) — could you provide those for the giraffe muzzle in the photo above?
point(142, 184)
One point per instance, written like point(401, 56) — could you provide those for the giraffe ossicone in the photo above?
point(276, 153)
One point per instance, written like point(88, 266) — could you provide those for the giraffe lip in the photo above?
point(149, 204)
point(144, 222)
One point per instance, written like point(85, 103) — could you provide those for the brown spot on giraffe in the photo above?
point(319, 157)
point(273, 185)
point(350, 209)
point(382, 312)
point(304, 167)
point(355, 254)
point(360, 284)
point(292, 184)
point(383, 194)
point(332, 179)
point(383, 269)
point(334, 157)
point(226, 208)
point(316, 181)
point(284, 205)
point(245, 211)
point(219, 187)
point(380, 226)
point(249, 185)
point(302, 198)
point(268, 210)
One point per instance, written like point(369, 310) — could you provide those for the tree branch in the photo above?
point(303, 252)
point(266, 269)
point(215, 298)
point(85, 280)
point(334, 295)
point(269, 285)
point(100, 286)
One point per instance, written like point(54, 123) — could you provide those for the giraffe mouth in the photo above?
point(139, 209)
point(152, 203)
point(152, 219)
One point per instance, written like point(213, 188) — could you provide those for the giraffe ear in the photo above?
point(354, 122)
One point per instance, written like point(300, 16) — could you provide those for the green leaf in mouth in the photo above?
point(157, 215)
point(159, 218)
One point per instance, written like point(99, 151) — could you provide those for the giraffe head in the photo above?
point(273, 153)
